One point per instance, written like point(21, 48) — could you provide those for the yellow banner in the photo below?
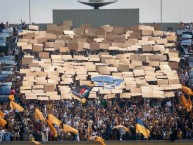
point(67, 128)
point(54, 131)
point(39, 115)
point(14, 105)
point(2, 122)
point(54, 120)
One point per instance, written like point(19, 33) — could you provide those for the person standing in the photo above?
point(7, 136)
point(121, 132)
point(2, 132)
point(45, 135)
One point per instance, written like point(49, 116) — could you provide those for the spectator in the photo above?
point(2, 26)
point(7, 136)
point(2, 132)
point(24, 26)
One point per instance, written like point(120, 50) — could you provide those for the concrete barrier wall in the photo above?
point(190, 142)
point(164, 26)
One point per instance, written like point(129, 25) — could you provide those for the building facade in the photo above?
point(115, 17)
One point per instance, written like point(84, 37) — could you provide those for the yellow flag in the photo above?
point(2, 122)
point(83, 101)
point(39, 115)
point(89, 132)
point(189, 107)
point(142, 128)
point(54, 120)
point(100, 140)
point(11, 97)
point(186, 103)
point(187, 90)
point(2, 114)
point(14, 105)
point(121, 126)
point(67, 128)
point(36, 142)
point(54, 131)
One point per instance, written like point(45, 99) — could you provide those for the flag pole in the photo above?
point(161, 9)
point(29, 11)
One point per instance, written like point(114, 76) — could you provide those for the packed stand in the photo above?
point(166, 118)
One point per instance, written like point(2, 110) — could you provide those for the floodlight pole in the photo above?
point(29, 11)
point(161, 9)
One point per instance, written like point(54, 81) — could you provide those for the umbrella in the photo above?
point(121, 126)
point(102, 80)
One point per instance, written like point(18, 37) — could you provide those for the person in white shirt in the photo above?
point(122, 132)
point(69, 122)
point(2, 132)
point(45, 135)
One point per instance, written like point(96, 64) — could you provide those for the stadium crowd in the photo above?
point(165, 118)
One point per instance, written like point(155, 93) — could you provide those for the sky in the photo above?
point(41, 10)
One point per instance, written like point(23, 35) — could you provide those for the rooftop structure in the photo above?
point(97, 3)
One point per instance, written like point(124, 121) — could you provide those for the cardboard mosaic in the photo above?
point(138, 56)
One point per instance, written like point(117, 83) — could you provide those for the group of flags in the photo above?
point(82, 93)
point(50, 121)
point(53, 120)
point(187, 103)
point(140, 126)
point(14, 106)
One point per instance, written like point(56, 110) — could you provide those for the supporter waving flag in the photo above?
point(39, 115)
point(2, 114)
point(186, 103)
point(52, 119)
point(54, 131)
point(187, 90)
point(16, 106)
point(189, 104)
point(82, 92)
point(70, 129)
point(11, 98)
point(2, 122)
point(142, 128)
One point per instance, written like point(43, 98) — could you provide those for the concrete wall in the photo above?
point(115, 17)
point(186, 142)
point(164, 26)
